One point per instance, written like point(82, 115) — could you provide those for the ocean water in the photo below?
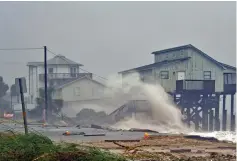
point(220, 135)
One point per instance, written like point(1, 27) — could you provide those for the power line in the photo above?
point(79, 68)
point(10, 49)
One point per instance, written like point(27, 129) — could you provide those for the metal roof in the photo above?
point(150, 66)
point(189, 46)
point(57, 60)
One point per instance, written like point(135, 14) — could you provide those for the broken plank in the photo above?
point(122, 140)
point(180, 150)
point(142, 130)
point(94, 134)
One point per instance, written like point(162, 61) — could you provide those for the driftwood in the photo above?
point(122, 140)
point(142, 130)
point(74, 133)
point(94, 134)
point(180, 150)
point(129, 149)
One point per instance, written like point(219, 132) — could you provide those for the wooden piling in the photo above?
point(232, 121)
point(205, 114)
point(211, 120)
point(196, 118)
point(224, 114)
point(217, 114)
point(224, 120)
point(204, 119)
point(188, 116)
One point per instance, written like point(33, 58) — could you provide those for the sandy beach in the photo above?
point(171, 148)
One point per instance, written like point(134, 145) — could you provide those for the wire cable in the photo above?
point(11, 49)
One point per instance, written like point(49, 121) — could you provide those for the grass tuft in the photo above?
point(34, 147)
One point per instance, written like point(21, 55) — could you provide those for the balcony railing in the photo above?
point(64, 76)
point(205, 86)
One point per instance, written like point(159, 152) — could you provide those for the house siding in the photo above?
point(92, 95)
point(87, 90)
point(194, 69)
point(198, 64)
point(170, 83)
point(34, 72)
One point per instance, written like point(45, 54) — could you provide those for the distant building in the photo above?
point(60, 71)
point(83, 92)
point(188, 63)
point(14, 102)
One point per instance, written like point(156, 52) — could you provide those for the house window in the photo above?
point(50, 70)
point(73, 71)
point(230, 78)
point(164, 74)
point(207, 75)
point(77, 91)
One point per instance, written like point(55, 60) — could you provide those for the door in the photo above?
point(181, 76)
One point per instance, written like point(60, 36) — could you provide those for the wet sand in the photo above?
point(171, 148)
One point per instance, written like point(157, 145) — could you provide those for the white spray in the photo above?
point(166, 117)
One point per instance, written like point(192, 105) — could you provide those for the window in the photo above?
point(50, 70)
point(207, 75)
point(73, 71)
point(164, 75)
point(77, 91)
point(229, 78)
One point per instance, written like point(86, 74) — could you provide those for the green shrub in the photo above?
point(30, 147)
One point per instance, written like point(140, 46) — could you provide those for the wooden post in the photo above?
point(224, 118)
point(217, 115)
point(188, 115)
point(196, 119)
point(224, 114)
point(23, 106)
point(211, 120)
point(205, 114)
point(232, 121)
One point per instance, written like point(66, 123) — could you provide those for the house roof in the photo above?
point(76, 80)
point(57, 60)
point(150, 66)
point(189, 46)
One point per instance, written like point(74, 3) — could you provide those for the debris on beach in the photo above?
point(67, 133)
point(142, 130)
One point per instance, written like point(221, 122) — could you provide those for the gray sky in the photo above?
point(108, 37)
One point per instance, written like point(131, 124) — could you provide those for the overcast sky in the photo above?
point(108, 37)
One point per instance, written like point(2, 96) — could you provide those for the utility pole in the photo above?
point(23, 106)
point(45, 84)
